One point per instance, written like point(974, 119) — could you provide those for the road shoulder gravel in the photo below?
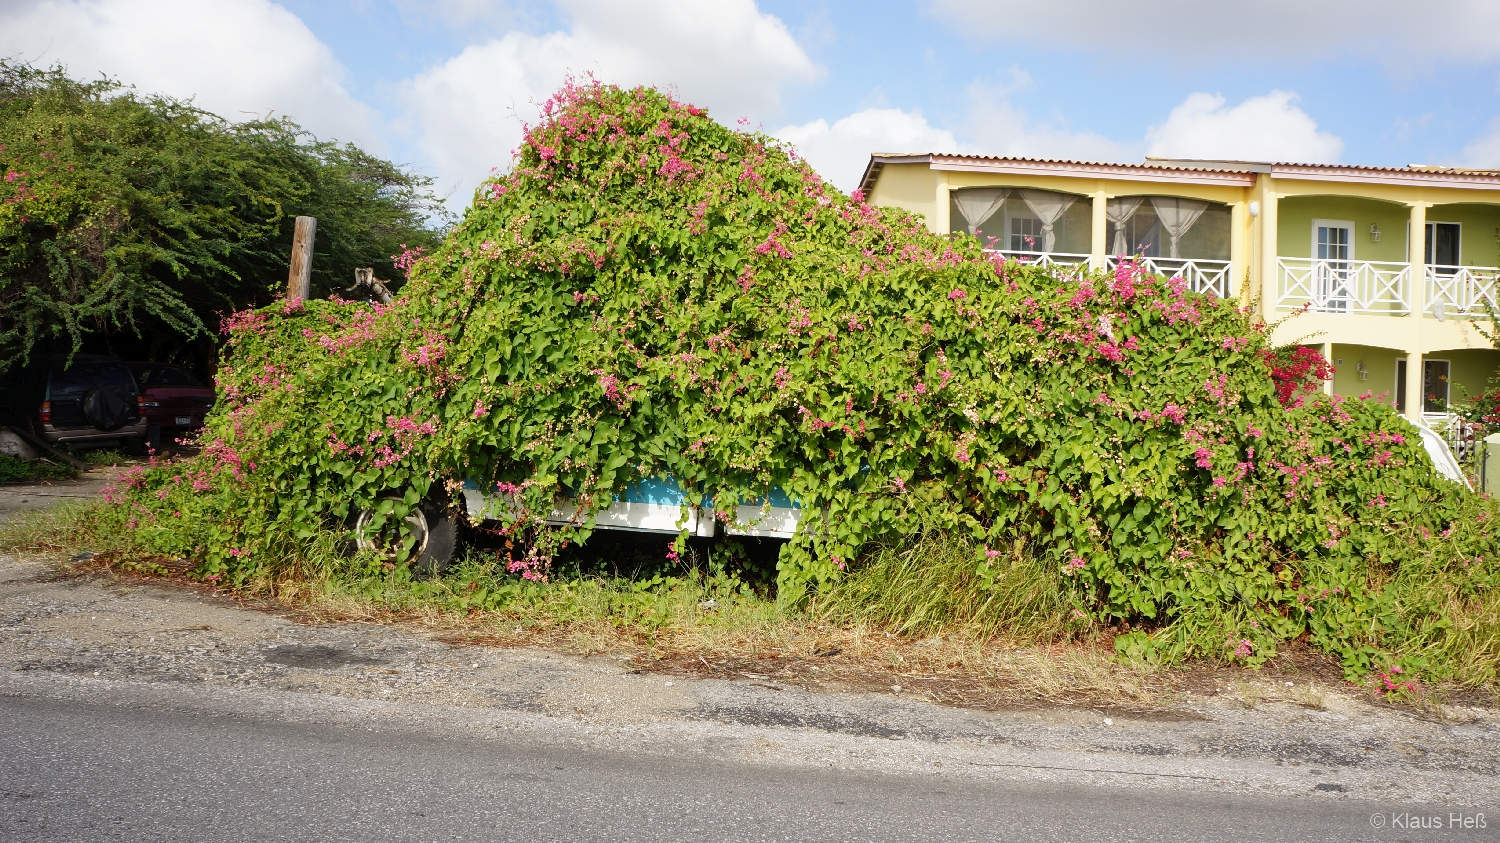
point(100, 641)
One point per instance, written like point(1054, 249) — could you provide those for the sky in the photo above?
point(444, 86)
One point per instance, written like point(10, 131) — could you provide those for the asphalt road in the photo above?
point(77, 771)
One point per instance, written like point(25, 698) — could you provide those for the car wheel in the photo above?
point(430, 525)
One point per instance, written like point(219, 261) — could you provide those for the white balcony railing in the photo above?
point(1202, 275)
point(1329, 286)
point(1462, 437)
point(1045, 258)
point(1461, 290)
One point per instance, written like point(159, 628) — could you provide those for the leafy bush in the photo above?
point(139, 215)
point(1297, 371)
point(14, 470)
point(650, 293)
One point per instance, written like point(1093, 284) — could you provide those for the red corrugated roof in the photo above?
point(1206, 171)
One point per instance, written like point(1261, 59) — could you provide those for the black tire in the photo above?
point(437, 535)
point(108, 407)
point(442, 540)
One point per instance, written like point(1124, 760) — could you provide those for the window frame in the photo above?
point(1430, 228)
point(1345, 224)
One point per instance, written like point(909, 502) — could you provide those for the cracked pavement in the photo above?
point(97, 641)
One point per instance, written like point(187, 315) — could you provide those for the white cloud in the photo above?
point(1264, 128)
point(725, 55)
point(1484, 151)
point(230, 56)
point(839, 152)
point(1445, 30)
point(997, 127)
point(991, 126)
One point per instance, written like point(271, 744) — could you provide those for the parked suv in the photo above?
point(91, 399)
point(172, 397)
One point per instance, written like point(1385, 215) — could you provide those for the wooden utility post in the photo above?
point(299, 279)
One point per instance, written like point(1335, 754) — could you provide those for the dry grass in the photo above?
point(1311, 696)
point(897, 624)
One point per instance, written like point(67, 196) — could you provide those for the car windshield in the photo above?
point(84, 375)
point(164, 376)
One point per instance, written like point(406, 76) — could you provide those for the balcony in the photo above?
point(1043, 258)
point(1344, 286)
point(1201, 274)
point(1461, 290)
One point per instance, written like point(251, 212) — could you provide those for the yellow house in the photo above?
point(1333, 241)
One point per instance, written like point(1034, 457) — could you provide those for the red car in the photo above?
point(172, 398)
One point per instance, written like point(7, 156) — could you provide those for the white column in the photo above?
point(1239, 252)
point(1416, 247)
point(1269, 288)
point(939, 222)
point(1328, 355)
point(1099, 231)
point(1414, 397)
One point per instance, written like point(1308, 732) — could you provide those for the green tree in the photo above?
point(126, 216)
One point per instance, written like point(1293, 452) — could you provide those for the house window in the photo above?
point(1434, 386)
point(1333, 246)
point(1142, 233)
point(1334, 240)
point(1443, 245)
point(1025, 234)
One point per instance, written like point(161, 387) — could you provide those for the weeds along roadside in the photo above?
point(710, 614)
point(922, 613)
point(14, 470)
point(722, 589)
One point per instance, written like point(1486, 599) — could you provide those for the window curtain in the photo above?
point(1049, 208)
point(1177, 216)
point(977, 205)
point(1119, 212)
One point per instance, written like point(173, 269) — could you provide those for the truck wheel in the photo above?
point(107, 407)
point(433, 527)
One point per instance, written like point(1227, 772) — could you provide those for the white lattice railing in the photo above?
point(1344, 286)
point(1202, 275)
point(1461, 289)
point(1045, 258)
point(1462, 437)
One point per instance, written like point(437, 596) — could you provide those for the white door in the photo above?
point(1333, 270)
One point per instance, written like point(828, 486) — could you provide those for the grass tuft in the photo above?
point(937, 586)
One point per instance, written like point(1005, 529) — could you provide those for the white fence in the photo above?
point(1461, 290)
point(1462, 437)
point(1329, 286)
point(1202, 275)
point(1045, 258)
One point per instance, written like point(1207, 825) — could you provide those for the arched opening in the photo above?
point(1038, 226)
point(1173, 236)
point(1462, 260)
point(1343, 254)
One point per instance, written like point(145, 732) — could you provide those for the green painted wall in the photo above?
point(1469, 370)
point(1295, 215)
point(1477, 237)
point(1380, 362)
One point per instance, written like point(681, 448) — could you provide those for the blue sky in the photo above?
point(443, 85)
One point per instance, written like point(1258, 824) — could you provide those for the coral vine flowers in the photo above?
point(649, 294)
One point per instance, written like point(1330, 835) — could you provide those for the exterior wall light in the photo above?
point(1363, 370)
point(1254, 209)
point(1375, 231)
